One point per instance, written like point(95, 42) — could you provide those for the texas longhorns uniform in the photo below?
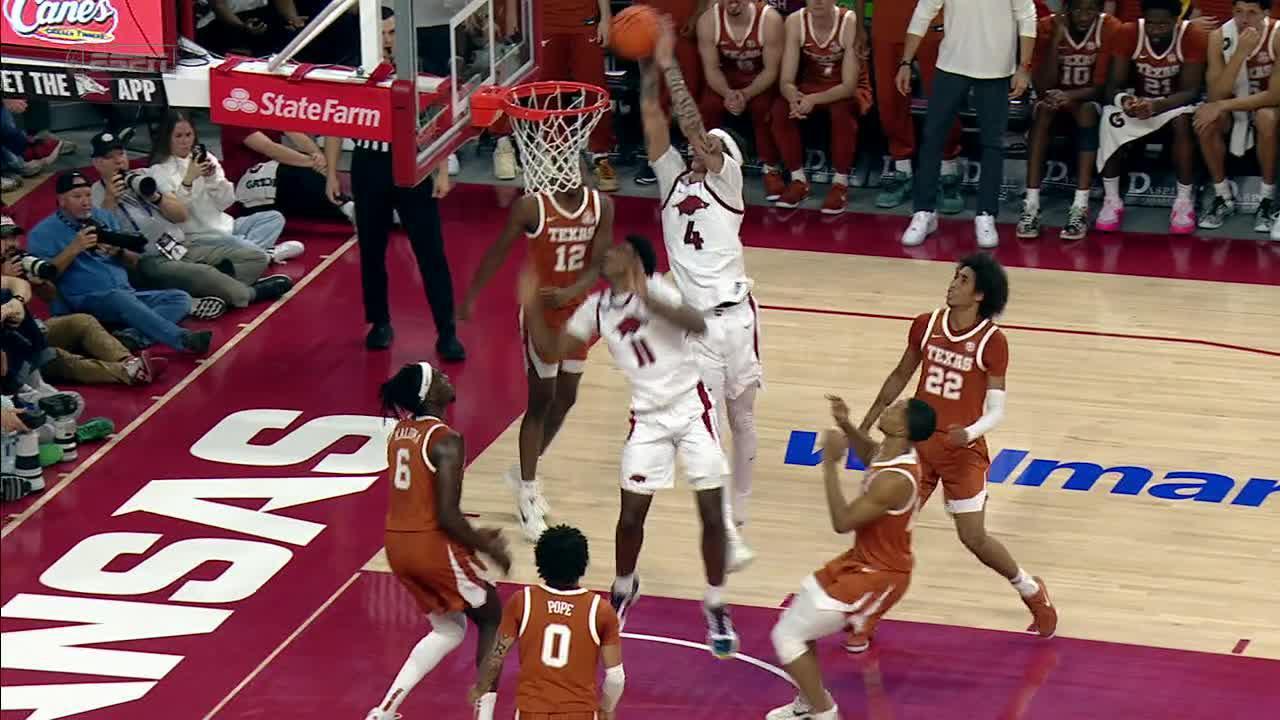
point(1156, 74)
point(953, 379)
point(558, 635)
point(741, 60)
point(442, 575)
point(1080, 64)
point(560, 251)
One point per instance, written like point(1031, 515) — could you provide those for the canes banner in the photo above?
point(58, 29)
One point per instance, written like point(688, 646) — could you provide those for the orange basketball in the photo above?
point(634, 32)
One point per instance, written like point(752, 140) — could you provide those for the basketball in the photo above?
point(634, 32)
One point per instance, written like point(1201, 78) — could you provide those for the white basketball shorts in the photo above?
point(728, 353)
point(686, 428)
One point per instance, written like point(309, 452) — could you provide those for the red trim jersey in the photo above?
point(1080, 64)
point(1157, 73)
point(820, 60)
point(741, 58)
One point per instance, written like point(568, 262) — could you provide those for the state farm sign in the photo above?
point(306, 105)
point(55, 28)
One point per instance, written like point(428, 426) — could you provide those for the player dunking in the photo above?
point(568, 233)
point(645, 323)
point(702, 211)
point(562, 633)
point(963, 356)
point(430, 545)
point(862, 584)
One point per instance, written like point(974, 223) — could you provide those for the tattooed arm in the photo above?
point(492, 668)
point(657, 136)
point(683, 106)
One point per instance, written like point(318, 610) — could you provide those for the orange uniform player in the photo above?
point(741, 46)
point(859, 586)
point(562, 634)
point(568, 234)
point(963, 356)
point(431, 547)
point(821, 70)
point(574, 36)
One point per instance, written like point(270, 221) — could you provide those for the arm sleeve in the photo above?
point(668, 168)
point(1024, 12)
point(584, 323)
point(915, 336)
point(995, 356)
point(922, 18)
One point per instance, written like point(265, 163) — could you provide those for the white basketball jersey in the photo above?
point(701, 224)
point(652, 352)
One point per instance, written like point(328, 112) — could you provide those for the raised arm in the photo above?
point(848, 70)
point(522, 218)
point(657, 126)
point(683, 106)
point(774, 41)
point(888, 490)
point(710, 54)
point(857, 438)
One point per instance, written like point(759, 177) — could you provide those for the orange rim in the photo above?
point(512, 107)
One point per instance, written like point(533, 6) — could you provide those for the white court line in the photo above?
point(280, 648)
point(699, 646)
point(201, 367)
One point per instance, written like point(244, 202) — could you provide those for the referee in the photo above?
point(376, 197)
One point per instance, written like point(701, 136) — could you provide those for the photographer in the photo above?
point(185, 167)
point(91, 273)
point(84, 352)
point(216, 272)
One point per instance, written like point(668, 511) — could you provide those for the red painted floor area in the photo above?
point(172, 567)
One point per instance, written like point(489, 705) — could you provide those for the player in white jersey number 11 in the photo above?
point(702, 208)
point(647, 325)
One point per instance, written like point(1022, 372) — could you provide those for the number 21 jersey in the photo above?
point(956, 365)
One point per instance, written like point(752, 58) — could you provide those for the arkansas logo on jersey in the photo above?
point(691, 204)
point(629, 325)
point(71, 22)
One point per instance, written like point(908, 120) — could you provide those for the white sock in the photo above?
point(447, 633)
point(485, 706)
point(1081, 200)
point(767, 168)
point(624, 583)
point(714, 596)
point(798, 175)
point(1184, 191)
point(1111, 188)
point(742, 422)
point(840, 179)
point(1223, 189)
point(1266, 191)
point(903, 166)
point(832, 714)
point(950, 167)
point(1024, 584)
point(1033, 198)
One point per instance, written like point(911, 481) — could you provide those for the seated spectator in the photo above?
point(1071, 64)
point(821, 70)
point(21, 153)
point(217, 272)
point(92, 277)
point(20, 471)
point(83, 350)
point(244, 27)
point(180, 164)
point(1241, 56)
point(1163, 60)
point(269, 175)
point(741, 46)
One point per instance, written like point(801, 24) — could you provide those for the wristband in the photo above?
point(905, 63)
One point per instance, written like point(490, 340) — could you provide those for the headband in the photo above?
point(730, 145)
point(427, 373)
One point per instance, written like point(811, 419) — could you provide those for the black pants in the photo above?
point(991, 101)
point(376, 195)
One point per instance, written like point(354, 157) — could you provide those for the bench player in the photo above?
point(701, 213)
point(1241, 56)
point(741, 46)
point(645, 323)
point(1071, 64)
point(863, 583)
point(562, 633)
point(963, 356)
point(568, 232)
point(430, 545)
point(820, 71)
point(1162, 58)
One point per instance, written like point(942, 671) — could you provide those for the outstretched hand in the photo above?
point(839, 409)
point(834, 445)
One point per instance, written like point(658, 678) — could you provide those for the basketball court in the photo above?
point(219, 557)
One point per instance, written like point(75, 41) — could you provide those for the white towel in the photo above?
point(1241, 128)
point(1117, 129)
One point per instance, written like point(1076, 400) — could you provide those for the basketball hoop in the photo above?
point(551, 121)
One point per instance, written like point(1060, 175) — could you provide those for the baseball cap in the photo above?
point(9, 227)
point(105, 142)
point(68, 181)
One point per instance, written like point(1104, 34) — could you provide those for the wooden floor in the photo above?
point(1136, 569)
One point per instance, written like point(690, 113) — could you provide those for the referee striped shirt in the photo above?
point(374, 145)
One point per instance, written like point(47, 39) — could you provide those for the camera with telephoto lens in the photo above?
point(139, 183)
point(132, 242)
point(33, 266)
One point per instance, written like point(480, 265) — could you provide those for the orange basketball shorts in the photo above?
point(574, 362)
point(442, 576)
point(962, 472)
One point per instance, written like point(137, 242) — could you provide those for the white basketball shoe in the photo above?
point(738, 555)
point(922, 225)
point(531, 508)
point(798, 709)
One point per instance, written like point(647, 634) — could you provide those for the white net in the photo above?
point(552, 140)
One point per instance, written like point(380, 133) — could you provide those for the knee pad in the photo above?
point(451, 628)
point(788, 644)
point(1087, 139)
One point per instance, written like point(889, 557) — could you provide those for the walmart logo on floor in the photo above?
point(802, 449)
